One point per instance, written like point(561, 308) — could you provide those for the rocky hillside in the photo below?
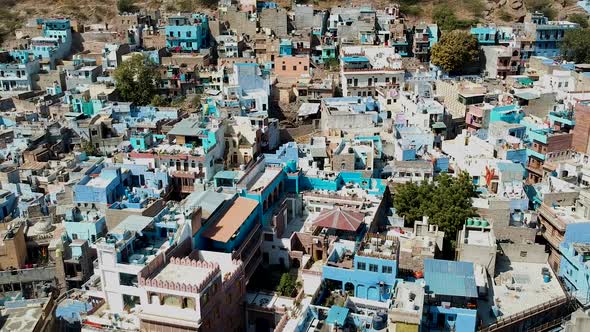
point(13, 13)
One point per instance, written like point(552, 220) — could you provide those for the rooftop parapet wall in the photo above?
point(184, 287)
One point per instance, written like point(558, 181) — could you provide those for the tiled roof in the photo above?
point(340, 219)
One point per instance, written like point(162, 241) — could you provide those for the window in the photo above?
point(361, 266)
point(283, 67)
point(373, 268)
point(304, 67)
point(387, 269)
point(268, 237)
point(188, 34)
point(294, 67)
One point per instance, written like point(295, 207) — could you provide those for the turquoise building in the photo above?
point(575, 258)
point(367, 272)
point(485, 35)
point(187, 34)
point(453, 283)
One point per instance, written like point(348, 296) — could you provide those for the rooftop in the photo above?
point(519, 286)
point(450, 278)
point(224, 228)
point(265, 178)
point(185, 274)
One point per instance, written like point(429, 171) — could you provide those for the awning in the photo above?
point(439, 125)
point(525, 81)
point(337, 315)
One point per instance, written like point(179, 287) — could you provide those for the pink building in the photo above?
point(292, 66)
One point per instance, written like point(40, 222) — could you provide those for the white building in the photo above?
point(371, 71)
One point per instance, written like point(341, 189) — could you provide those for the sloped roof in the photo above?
point(450, 278)
point(340, 219)
point(225, 227)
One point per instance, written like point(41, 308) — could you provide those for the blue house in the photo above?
point(109, 184)
point(575, 257)
point(17, 71)
point(7, 203)
point(104, 186)
point(187, 34)
point(507, 113)
point(55, 42)
point(285, 47)
point(369, 272)
point(87, 225)
point(451, 296)
point(485, 35)
point(227, 230)
point(547, 34)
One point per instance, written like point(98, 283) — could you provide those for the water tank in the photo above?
point(546, 278)
point(379, 323)
point(476, 223)
point(469, 222)
point(484, 223)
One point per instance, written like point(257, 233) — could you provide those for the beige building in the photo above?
point(241, 142)
point(13, 248)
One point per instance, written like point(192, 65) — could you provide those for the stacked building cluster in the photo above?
point(268, 205)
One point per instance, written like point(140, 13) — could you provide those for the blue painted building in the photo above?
point(141, 141)
point(55, 42)
point(369, 272)
point(285, 47)
point(575, 257)
point(507, 113)
point(547, 34)
point(8, 204)
point(453, 283)
point(17, 71)
point(227, 229)
point(485, 35)
point(87, 225)
point(187, 34)
point(109, 184)
point(104, 186)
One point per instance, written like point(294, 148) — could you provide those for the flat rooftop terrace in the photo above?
point(524, 290)
point(265, 178)
point(185, 274)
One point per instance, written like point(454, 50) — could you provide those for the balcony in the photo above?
point(46, 273)
point(549, 215)
point(250, 246)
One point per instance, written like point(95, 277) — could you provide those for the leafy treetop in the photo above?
point(446, 201)
point(454, 50)
point(137, 79)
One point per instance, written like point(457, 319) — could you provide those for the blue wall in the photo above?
point(464, 320)
point(366, 283)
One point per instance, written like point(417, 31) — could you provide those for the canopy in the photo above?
point(340, 219)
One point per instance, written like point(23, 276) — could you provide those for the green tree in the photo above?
point(446, 202)
point(581, 19)
point(126, 6)
point(159, 101)
point(455, 50)
point(137, 79)
point(287, 285)
point(576, 45)
point(89, 148)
